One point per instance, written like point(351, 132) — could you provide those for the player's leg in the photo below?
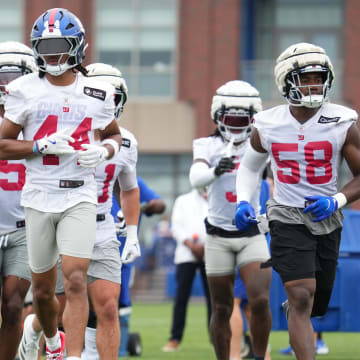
point(293, 251)
point(206, 292)
point(15, 284)
point(104, 278)
point(220, 269)
point(257, 283)
point(76, 236)
point(237, 329)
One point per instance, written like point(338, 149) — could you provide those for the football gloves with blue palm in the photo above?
point(320, 206)
point(245, 216)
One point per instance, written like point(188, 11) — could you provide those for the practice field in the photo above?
point(153, 321)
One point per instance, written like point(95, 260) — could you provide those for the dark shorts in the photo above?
point(298, 254)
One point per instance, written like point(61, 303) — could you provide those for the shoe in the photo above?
point(59, 353)
point(171, 346)
point(285, 305)
point(321, 348)
point(287, 351)
point(29, 345)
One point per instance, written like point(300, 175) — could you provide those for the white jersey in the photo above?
point(12, 180)
point(304, 157)
point(106, 174)
point(42, 109)
point(222, 191)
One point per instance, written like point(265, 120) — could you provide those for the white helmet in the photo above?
point(112, 75)
point(232, 109)
point(299, 59)
point(16, 59)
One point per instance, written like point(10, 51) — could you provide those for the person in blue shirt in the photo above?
point(150, 204)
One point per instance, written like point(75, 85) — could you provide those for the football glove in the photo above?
point(320, 206)
point(131, 249)
point(55, 144)
point(226, 164)
point(93, 155)
point(121, 225)
point(244, 216)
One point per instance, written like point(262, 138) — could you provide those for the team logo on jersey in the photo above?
point(95, 93)
point(301, 137)
point(125, 142)
point(327, 120)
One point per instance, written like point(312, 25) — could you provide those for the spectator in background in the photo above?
point(188, 229)
point(150, 204)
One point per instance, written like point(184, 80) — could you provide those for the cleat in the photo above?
point(59, 353)
point(287, 351)
point(171, 346)
point(29, 345)
point(321, 347)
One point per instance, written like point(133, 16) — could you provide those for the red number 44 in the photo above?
point(49, 126)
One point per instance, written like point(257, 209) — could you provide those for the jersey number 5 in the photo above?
point(49, 126)
point(312, 163)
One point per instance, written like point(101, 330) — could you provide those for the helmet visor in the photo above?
point(235, 120)
point(53, 46)
point(8, 76)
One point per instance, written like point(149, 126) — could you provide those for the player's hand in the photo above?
point(226, 164)
point(244, 216)
point(121, 225)
point(55, 144)
point(131, 249)
point(321, 206)
point(93, 155)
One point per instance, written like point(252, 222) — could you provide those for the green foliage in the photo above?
point(153, 322)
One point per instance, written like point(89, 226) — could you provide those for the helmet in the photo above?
point(58, 33)
point(232, 109)
point(112, 75)
point(16, 59)
point(299, 59)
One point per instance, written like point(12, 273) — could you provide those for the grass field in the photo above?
point(152, 321)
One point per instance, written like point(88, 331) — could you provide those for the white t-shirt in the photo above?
point(304, 157)
point(12, 180)
point(187, 220)
point(106, 174)
point(42, 109)
point(222, 191)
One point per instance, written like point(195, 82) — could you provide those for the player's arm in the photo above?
point(111, 138)
point(351, 153)
point(10, 147)
point(154, 206)
point(247, 179)
point(130, 205)
point(321, 207)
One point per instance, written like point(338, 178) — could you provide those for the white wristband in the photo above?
point(112, 143)
point(341, 199)
point(131, 231)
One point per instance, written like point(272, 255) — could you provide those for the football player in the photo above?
point(16, 60)
point(58, 110)
point(306, 140)
point(104, 274)
point(215, 159)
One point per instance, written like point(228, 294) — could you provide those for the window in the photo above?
point(139, 37)
point(12, 20)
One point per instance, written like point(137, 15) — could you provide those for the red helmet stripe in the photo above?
point(52, 20)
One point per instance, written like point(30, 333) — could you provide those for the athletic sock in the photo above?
point(91, 352)
point(259, 357)
point(54, 342)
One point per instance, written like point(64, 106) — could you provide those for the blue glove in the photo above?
point(244, 216)
point(321, 206)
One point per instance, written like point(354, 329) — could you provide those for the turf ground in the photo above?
point(152, 321)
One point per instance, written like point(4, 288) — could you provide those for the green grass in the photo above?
point(153, 321)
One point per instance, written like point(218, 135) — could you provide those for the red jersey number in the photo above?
point(49, 126)
point(312, 163)
point(7, 168)
point(110, 170)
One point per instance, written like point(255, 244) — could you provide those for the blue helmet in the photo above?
point(58, 33)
